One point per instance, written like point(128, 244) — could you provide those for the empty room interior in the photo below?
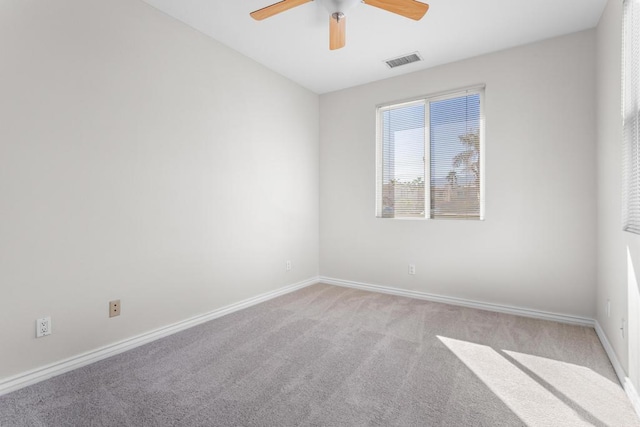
point(329, 212)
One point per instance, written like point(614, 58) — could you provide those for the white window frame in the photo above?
point(426, 100)
point(631, 117)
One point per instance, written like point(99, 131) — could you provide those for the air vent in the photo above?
point(403, 60)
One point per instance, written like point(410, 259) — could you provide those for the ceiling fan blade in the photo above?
point(337, 31)
point(276, 8)
point(408, 8)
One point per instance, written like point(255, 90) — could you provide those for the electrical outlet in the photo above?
point(288, 266)
point(114, 308)
point(43, 327)
point(622, 327)
point(412, 269)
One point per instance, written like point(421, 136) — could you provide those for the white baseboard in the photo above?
point(24, 379)
point(625, 381)
point(519, 311)
point(612, 354)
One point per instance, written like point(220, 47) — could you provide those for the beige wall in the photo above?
point(141, 160)
point(618, 251)
point(537, 247)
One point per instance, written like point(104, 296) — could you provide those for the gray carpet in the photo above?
point(326, 356)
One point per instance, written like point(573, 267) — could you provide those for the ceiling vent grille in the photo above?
point(403, 60)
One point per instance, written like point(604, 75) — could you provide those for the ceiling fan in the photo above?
point(412, 9)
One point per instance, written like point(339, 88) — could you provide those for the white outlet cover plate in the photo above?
point(43, 327)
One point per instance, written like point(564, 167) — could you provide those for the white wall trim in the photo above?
point(617, 366)
point(628, 386)
point(24, 379)
point(519, 311)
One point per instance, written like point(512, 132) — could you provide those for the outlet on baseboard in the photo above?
point(288, 266)
point(623, 325)
point(114, 308)
point(43, 327)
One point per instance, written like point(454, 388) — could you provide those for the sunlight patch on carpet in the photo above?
point(530, 401)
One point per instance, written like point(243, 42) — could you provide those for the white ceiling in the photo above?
point(295, 43)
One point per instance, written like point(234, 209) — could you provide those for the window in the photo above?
point(430, 157)
point(630, 114)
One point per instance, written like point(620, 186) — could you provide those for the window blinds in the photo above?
point(455, 157)
point(403, 161)
point(430, 158)
point(630, 114)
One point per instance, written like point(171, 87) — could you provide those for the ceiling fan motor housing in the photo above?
point(339, 6)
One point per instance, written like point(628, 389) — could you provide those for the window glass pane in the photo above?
point(455, 157)
point(450, 129)
point(403, 140)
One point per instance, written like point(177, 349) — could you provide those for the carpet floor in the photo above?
point(331, 356)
